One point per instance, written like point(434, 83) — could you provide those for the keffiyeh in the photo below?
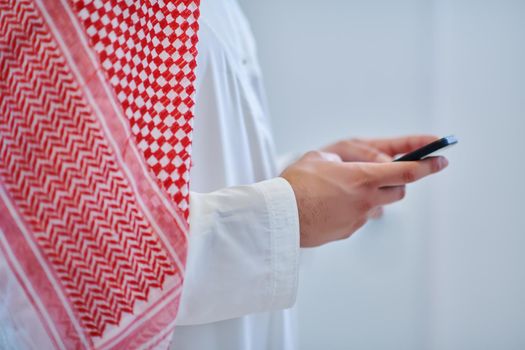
point(96, 105)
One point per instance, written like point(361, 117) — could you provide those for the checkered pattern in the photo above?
point(148, 50)
point(101, 266)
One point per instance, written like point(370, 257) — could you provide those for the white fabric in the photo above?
point(243, 253)
point(244, 241)
point(16, 311)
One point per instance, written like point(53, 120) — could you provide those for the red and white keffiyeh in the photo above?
point(95, 133)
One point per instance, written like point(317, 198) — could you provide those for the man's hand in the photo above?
point(377, 150)
point(335, 195)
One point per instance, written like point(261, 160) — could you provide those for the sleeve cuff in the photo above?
point(284, 241)
point(243, 252)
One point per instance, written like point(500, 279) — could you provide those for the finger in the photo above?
point(389, 195)
point(319, 155)
point(331, 157)
point(399, 145)
point(401, 173)
point(357, 151)
point(362, 152)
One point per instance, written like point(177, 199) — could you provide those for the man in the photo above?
point(92, 249)
point(241, 274)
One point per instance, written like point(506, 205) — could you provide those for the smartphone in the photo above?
point(429, 149)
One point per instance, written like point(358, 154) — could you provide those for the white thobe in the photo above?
point(244, 236)
point(244, 240)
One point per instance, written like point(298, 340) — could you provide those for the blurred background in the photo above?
point(445, 269)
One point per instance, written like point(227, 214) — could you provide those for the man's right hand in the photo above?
point(335, 198)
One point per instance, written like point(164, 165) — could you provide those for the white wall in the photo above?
point(479, 256)
point(445, 269)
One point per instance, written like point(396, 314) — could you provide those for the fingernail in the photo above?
point(443, 162)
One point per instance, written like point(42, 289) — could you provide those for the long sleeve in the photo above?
point(243, 252)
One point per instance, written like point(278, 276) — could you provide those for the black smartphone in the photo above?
point(429, 149)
